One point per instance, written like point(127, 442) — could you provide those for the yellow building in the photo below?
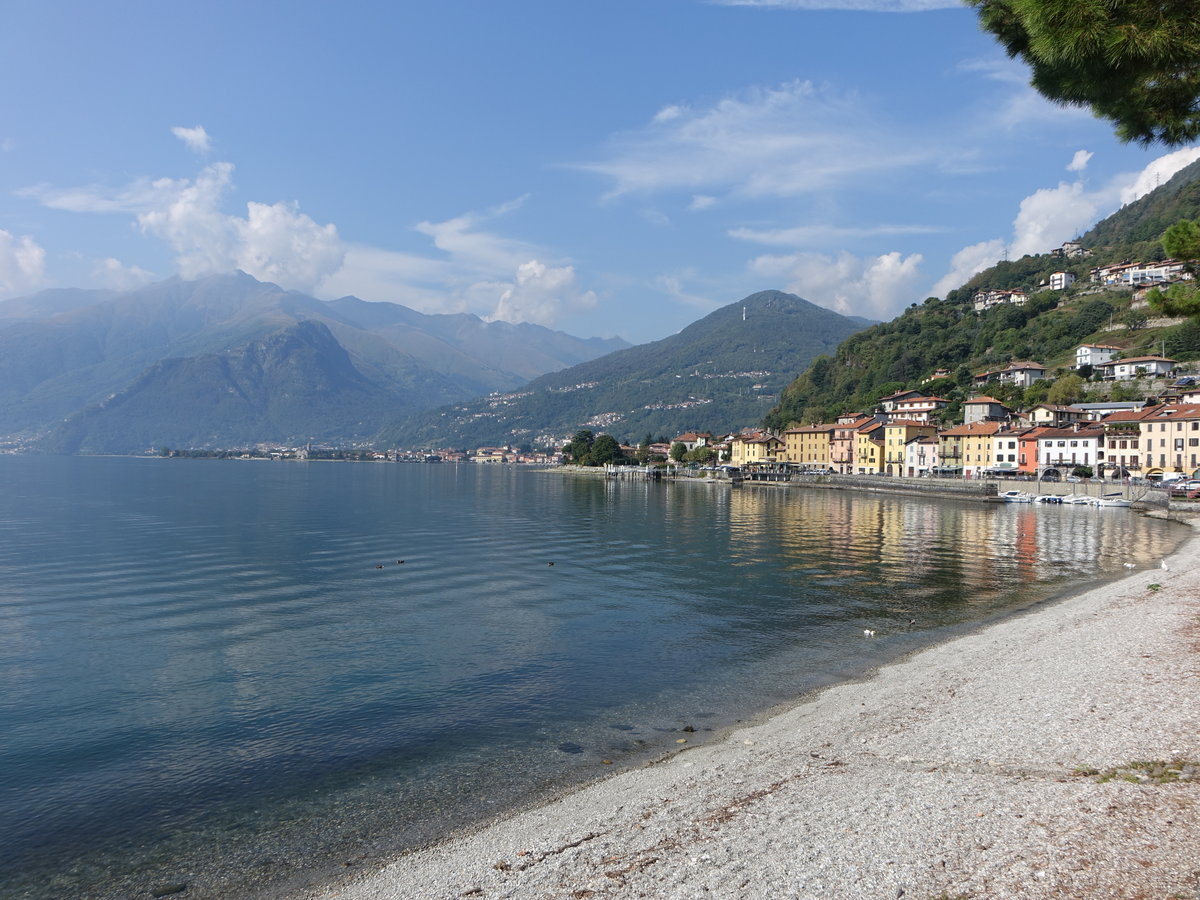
point(969, 446)
point(810, 446)
point(896, 436)
point(755, 447)
point(868, 449)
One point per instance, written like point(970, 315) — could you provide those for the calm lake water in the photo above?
point(208, 679)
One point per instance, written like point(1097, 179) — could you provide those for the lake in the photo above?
point(249, 676)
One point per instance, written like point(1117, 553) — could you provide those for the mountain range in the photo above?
point(229, 361)
point(725, 370)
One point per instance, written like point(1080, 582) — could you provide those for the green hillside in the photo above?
point(948, 334)
point(720, 372)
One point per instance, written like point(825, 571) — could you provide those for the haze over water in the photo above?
point(206, 678)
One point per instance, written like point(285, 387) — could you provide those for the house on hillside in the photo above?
point(984, 409)
point(1048, 414)
point(984, 300)
point(1094, 354)
point(1136, 367)
point(1095, 411)
point(918, 408)
point(693, 439)
point(1060, 281)
point(1022, 374)
point(1071, 250)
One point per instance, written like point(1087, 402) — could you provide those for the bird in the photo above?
point(1163, 565)
point(379, 565)
point(399, 562)
point(869, 632)
point(1129, 565)
point(549, 563)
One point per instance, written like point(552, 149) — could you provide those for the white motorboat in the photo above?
point(1016, 497)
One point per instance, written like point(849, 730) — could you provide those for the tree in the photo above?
point(1134, 62)
point(579, 447)
point(1067, 390)
point(605, 450)
point(1134, 319)
point(678, 450)
point(1182, 240)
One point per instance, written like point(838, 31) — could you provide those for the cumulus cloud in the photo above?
point(874, 286)
point(22, 263)
point(273, 242)
point(475, 249)
point(1158, 172)
point(196, 138)
point(967, 262)
point(540, 294)
point(1049, 216)
point(1079, 161)
point(777, 142)
point(279, 243)
point(112, 273)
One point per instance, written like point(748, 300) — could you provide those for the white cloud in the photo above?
point(1158, 172)
point(112, 273)
point(824, 234)
point(887, 6)
point(967, 262)
point(777, 142)
point(1049, 216)
point(701, 201)
point(280, 244)
point(274, 242)
point(478, 251)
point(22, 263)
point(672, 286)
point(196, 138)
point(373, 273)
point(540, 293)
point(1079, 161)
point(877, 287)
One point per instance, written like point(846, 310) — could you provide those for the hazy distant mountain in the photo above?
point(719, 373)
point(71, 355)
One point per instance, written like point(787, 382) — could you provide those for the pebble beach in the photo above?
point(1055, 754)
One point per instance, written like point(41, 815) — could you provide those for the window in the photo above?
point(1074, 443)
point(1178, 444)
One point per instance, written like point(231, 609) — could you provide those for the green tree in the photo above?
point(1134, 62)
point(1182, 240)
point(605, 450)
point(580, 446)
point(678, 451)
point(1067, 390)
point(1134, 319)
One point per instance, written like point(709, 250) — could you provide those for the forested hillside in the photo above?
point(949, 335)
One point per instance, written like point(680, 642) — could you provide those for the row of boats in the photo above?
point(1114, 499)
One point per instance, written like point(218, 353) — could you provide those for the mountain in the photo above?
point(949, 334)
point(722, 371)
point(110, 363)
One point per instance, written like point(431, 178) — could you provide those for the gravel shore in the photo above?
point(1054, 754)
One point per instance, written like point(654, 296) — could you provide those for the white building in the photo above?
point(920, 456)
point(1094, 354)
point(1061, 280)
point(1065, 448)
point(987, 299)
point(1136, 367)
point(1022, 374)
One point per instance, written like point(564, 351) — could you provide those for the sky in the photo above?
point(603, 167)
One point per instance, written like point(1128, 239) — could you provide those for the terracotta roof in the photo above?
point(1136, 359)
point(983, 400)
point(972, 429)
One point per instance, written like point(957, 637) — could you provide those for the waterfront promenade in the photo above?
point(1003, 763)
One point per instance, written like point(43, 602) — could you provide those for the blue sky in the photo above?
point(616, 167)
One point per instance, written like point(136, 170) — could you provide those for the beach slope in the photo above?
point(1004, 763)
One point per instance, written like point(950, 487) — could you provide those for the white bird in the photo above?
point(1164, 565)
point(1129, 565)
point(869, 632)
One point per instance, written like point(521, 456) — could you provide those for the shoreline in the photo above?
point(952, 771)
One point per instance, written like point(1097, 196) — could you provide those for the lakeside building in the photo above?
point(921, 456)
point(896, 436)
point(845, 441)
point(1136, 367)
point(868, 448)
point(1170, 438)
point(968, 447)
point(1095, 411)
point(810, 446)
point(693, 439)
point(1060, 450)
point(754, 447)
point(1022, 374)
